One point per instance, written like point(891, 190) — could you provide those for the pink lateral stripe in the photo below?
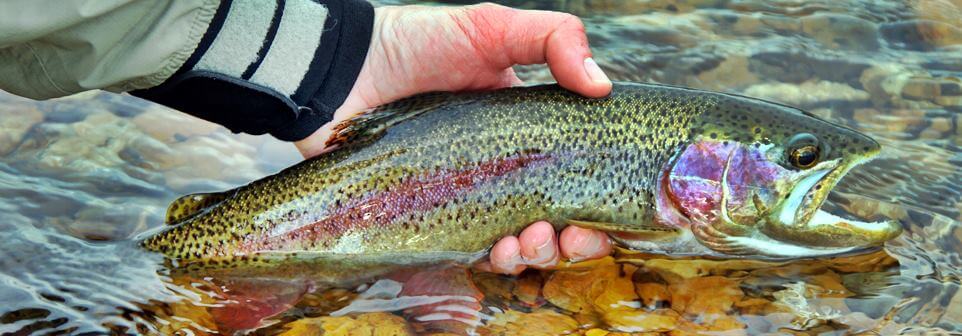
point(416, 193)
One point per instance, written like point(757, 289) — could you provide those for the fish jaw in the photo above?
point(801, 220)
point(696, 192)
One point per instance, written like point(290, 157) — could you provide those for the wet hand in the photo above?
point(538, 246)
point(418, 49)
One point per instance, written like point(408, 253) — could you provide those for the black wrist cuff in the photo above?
point(263, 68)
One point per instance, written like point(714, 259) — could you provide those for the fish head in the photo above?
point(753, 177)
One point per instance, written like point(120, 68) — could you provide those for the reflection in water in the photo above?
point(81, 175)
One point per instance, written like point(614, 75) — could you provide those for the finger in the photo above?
point(534, 37)
point(570, 61)
point(539, 245)
point(506, 256)
point(581, 244)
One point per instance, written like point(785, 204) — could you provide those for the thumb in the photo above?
point(534, 37)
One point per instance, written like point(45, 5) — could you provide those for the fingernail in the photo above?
point(515, 261)
point(512, 266)
point(541, 249)
point(544, 254)
point(517, 265)
point(595, 72)
point(589, 248)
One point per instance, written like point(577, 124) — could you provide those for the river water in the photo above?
point(80, 176)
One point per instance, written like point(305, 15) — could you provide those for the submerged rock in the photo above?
point(538, 322)
point(840, 31)
point(367, 324)
point(921, 34)
point(16, 119)
point(807, 93)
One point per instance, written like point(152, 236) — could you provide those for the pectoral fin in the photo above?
point(189, 206)
point(646, 231)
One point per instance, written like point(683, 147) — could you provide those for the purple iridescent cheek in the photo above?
point(695, 181)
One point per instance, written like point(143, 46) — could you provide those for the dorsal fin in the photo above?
point(376, 120)
point(189, 206)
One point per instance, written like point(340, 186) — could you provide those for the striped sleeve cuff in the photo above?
point(272, 66)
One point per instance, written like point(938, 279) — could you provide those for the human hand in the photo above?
point(417, 49)
point(538, 247)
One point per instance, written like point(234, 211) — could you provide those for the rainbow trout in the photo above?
point(439, 177)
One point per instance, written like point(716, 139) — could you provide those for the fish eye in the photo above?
point(804, 151)
point(804, 157)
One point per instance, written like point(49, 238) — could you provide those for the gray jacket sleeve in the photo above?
point(256, 66)
point(53, 48)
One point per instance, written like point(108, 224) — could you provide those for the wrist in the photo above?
point(272, 67)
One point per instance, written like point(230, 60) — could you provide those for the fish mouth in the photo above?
point(799, 219)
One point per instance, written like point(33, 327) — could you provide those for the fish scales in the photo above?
point(538, 153)
point(452, 173)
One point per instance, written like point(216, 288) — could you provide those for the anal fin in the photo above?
point(189, 206)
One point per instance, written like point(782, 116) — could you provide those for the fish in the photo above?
point(665, 169)
point(441, 177)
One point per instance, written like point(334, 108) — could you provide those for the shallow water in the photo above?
point(79, 176)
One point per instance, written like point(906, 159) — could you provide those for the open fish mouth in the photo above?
point(799, 220)
point(764, 210)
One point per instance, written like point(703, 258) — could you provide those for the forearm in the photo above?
point(282, 70)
